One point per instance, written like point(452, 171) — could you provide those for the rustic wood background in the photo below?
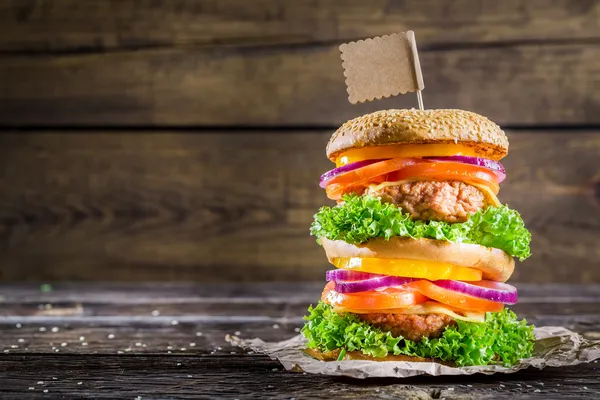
point(183, 140)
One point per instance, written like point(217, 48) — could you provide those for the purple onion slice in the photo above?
point(488, 290)
point(354, 281)
point(329, 175)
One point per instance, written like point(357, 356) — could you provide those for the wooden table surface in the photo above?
point(167, 341)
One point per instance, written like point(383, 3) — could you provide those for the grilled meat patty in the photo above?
point(414, 327)
point(449, 201)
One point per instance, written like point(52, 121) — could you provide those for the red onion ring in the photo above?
point(344, 275)
point(488, 290)
point(495, 166)
point(329, 175)
point(354, 281)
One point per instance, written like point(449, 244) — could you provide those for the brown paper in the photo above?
point(381, 67)
point(554, 347)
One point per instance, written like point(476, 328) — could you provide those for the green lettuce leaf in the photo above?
point(360, 218)
point(501, 339)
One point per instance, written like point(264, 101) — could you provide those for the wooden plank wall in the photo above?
point(183, 140)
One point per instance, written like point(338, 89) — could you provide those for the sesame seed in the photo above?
point(31, 388)
point(40, 382)
point(84, 344)
point(155, 313)
point(296, 329)
point(138, 344)
point(536, 391)
point(119, 352)
point(183, 349)
point(63, 344)
point(275, 326)
point(80, 383)
point(14, 346)
point(219, 348)
point(192, 344)
point(178, 364)
point(189, 376)
point(20, 340)
point(169, 347)
point(174, 322)
point(18, 326)
point(198, 333)
point(111, 336)
point(42, 329)
point(81, 338)
point(7, 351)
point(237, 333)
point(55, 329)
point(45, 390)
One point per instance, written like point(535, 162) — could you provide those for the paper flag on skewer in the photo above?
point(382, 67)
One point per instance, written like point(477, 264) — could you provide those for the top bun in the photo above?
point(420, 127)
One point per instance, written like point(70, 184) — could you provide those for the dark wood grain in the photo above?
point(149, 293)
point(237, 206)
point(112, 25)
point(193, 319)
point(134, 355)
point(245, 377)
point(295, 86)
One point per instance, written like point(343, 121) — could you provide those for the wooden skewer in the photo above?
point(420, 99)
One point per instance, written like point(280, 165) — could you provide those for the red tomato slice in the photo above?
point(399, 169)
point(455, 299)
point(368, 173)
point(447, 170)
point(372, 300)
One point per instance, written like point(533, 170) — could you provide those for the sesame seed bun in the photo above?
point(359, 355)
point(420, 127)
point(495, 264)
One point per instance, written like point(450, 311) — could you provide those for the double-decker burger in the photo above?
point(421, 244)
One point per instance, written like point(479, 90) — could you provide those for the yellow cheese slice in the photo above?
point(429, 307)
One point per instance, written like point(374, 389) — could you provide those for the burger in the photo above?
point(421, 245)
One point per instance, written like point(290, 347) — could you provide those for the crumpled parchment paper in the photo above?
point(554, 347)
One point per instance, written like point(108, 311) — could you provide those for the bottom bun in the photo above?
point(495, 264)
point(358, 355)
